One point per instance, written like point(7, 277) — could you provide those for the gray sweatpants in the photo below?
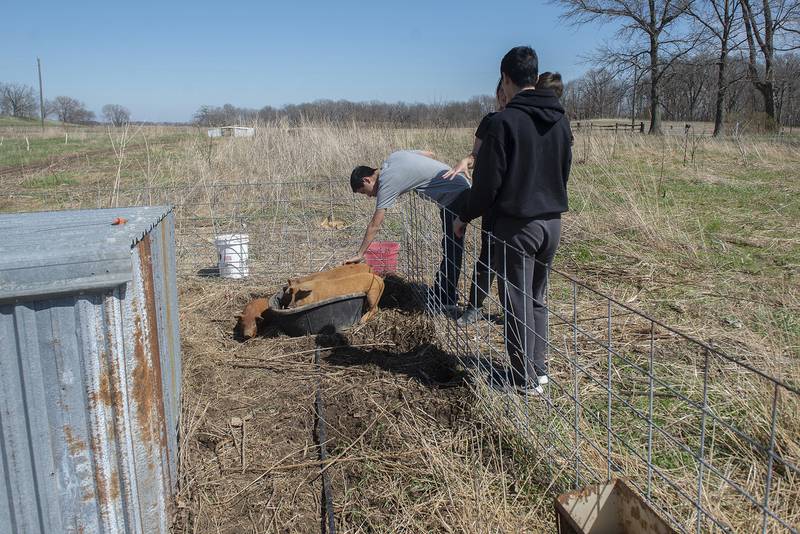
point(523, 267)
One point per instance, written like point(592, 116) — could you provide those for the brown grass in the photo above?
point(708, 245)
point(408, 447)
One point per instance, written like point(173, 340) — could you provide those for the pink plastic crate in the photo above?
point(382, 256)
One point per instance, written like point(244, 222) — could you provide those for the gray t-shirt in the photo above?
point(409, 170)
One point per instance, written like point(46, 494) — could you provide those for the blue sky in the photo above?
point(163, 60)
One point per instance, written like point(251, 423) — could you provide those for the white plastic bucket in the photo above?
point(232, 252)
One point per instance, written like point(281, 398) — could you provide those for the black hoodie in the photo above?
point(523, 164)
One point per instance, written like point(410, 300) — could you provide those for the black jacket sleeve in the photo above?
point(480, 133)
point(490, 167)
point(567, 163)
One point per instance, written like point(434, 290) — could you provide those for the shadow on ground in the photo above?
point(400, 294)
point(426, 363)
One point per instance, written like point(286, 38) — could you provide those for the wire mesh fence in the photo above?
point(292, 227)
point(709, 439)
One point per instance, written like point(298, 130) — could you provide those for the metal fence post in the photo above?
point(575, 389)
point(770, 459)
point(650, 387)
point(701, 454)
point(608, 385)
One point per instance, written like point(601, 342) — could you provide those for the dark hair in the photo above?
point(499, 86)
point(551, 80)
point(521, 66)
point(357, 176)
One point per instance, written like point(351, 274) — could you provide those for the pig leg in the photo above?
point(373, 297)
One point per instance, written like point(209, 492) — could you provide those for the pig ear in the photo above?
point(302, 293)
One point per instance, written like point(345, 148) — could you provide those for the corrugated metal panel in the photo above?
point(63, 251)
point(166, 301)
point(89, 396)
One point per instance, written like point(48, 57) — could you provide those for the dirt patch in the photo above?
point(407, 450)
point(249, 460)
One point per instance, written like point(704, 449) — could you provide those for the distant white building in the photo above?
point(232, 131)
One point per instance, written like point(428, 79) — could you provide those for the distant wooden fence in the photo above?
point(678, 129)
point(615, 127)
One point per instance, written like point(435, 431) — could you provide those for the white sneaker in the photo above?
point(543, 380)
point(530, 390)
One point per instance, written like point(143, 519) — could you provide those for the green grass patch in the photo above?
point(50, 181)
point(20, 121)
point(19, 151)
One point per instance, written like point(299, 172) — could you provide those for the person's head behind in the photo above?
point(518, 69)
point(552, 81)
point(500, 96)
point(363, 180)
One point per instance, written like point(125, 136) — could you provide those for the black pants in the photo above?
point(446, 282)
point(522, 284)
point(483, 274)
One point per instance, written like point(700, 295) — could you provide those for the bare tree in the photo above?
point(787, 88)
point(770, 26)
point(649, 20)
point(69, 110)
point(718, 19)
point(594, 95)
point(690, 91)
point(17, 100)
point(117, 115)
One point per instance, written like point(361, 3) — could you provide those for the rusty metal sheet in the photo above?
point(86, 444)
point(611, 508)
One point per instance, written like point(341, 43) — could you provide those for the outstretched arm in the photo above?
point(465, 164)
point(372, 230)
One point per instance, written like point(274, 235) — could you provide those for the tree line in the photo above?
point(397, 114)
point(689, 93)
point(732, 62)
point(688, 58)
point(20, 101)
point(723, 61)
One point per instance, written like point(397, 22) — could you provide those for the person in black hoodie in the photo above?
point(520, 181)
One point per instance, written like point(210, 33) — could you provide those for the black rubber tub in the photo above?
point(328, 315)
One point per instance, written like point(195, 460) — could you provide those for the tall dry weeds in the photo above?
point(642, 227)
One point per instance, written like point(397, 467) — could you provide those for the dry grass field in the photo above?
point(701, 233)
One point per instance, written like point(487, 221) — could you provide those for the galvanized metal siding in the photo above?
point(89, 402)
point(60, 461)
point(69, 251)
point(165, 287)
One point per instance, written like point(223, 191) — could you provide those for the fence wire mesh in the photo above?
point(708, 439)
point(293, 227)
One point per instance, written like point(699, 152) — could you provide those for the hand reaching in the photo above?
point(355, 259)
point(461, 168)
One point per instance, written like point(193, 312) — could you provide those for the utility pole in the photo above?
point(41, 92)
